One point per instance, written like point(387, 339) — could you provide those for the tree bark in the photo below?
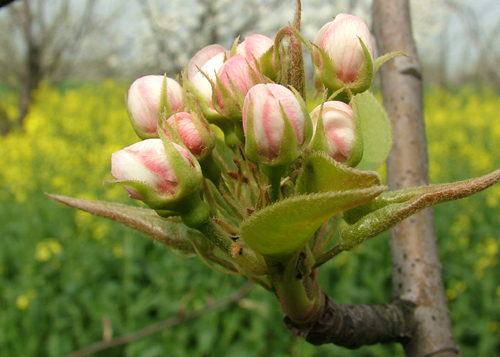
point(353, 326)
point(416, 267)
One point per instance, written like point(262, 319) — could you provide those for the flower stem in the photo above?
point(299, 296)
point(274, 174)
point(211, 169)
point(242, 257)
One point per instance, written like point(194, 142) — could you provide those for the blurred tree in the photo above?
point(177, 37)
point(173, 37)
point(40, 40)
point(482, 39)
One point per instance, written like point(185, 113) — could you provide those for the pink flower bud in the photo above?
point(209, 59)
point(190, 134)
point(147, 164)
point(266, 107)
point(340, 39)
point(339, 128)
point(236, 78)
point(254, 46)
point(143, 102)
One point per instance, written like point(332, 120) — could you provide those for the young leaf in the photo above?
point(169, 231)
point(377, 131)
point(279, 231)
point(321, 173)
point(392, 207)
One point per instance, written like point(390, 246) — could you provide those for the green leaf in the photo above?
point(279, 231)
point(393, 207)
point(321, 173)
point(377, 131)
point(169, 231)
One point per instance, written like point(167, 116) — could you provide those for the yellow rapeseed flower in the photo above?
point(22, 302)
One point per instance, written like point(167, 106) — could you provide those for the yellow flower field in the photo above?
point(62, 272)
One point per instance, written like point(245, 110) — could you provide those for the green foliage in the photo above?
point(289, 223)
point(376, 129)
point(62, 271)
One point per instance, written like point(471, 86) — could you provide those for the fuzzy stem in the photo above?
point(274, 174)
point(299, 297)
point(227, 128)
point(329, 254)
point(244, 258)
point(211, 170)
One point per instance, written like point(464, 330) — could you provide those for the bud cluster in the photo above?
point(233, 118)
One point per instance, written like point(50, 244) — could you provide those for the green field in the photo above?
point(64, 274)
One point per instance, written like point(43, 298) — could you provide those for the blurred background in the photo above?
point(68, 279)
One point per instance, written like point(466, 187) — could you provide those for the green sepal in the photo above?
point(380, 61)
point(376, 131)
point(366, 74)
point(234, 47)
point(267, 65)
point(164, 107)
point(281, 230)
point(319, 141)
point(321, 173)
point(232, 99)
point(358, 147)
point(308, 126)
point(209, 113)
point(327, 74)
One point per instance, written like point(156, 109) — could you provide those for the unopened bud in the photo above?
point(344, 54)
point(145, 102)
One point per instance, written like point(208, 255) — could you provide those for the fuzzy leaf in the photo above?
point(376, 129)
point(169, 231)
point(279, 231)
point(321, 173)
point(393, 207)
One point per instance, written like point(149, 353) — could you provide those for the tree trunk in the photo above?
point(30, 82)
point(416, 266)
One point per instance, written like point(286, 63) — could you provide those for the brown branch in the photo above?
point(150, 330)
point(353, 326)
point(416, 266)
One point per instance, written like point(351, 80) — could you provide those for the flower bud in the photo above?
point(144, 102)
point(339, 133)
point(257, 47)
point(234, 80)
point(206, 62)
point(344, 54)
point(193, 132)
point(160, 173)
point(276, 124)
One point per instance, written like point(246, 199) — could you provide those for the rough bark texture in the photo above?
point(416, 267)
point(353, 326)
